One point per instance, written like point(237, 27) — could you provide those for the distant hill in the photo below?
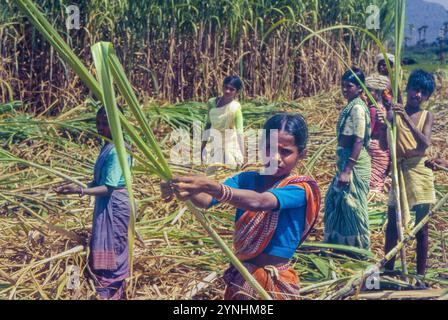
point(420, 13)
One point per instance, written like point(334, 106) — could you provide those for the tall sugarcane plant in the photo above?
point(398, 188)
point(110, 71)
point(193, 28)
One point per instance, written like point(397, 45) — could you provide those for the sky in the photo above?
point(442, 2)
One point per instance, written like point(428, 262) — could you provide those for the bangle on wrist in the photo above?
point(229, 194)
point(221, 192)
point(226, 194)
point(353, 160)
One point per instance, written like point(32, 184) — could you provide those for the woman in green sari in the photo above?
point(346, 217)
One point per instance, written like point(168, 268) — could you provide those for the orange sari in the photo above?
point(253, 232)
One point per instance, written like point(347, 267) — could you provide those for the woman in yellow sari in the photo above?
point(223, 142)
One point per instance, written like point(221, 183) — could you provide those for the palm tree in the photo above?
point(425, 27)
point(411, 31)
point(445, 30)
point(406, 41)
point(420, 34)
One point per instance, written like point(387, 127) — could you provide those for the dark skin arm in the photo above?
point(206, 136)
point(74, 189)
point(400, 97)
point(384, 143)
point(356, 144)
point(381, 116)
point(200, 200)
point(390, 116)
point(200, 190)
point(436, 164)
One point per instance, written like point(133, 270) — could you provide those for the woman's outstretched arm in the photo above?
point(98, 191)
point(201, 190)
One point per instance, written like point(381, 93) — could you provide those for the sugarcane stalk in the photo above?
point(322, 284)
point(61, 255)
point(399, 32)
point(396, 187)
point(5, 276)
point(9, 157)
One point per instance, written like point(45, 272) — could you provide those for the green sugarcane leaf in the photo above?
point(126, 90)
point(322, 265)
point(272, 29)
point(349, 27)
point(348, 249)
point(138, 141)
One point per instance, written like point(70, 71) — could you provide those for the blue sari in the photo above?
point(109, 251)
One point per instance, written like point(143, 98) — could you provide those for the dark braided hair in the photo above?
point(291, 123)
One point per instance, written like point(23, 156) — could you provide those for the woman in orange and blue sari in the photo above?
point(275, 210)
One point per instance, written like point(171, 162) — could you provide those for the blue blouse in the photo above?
point(292, 211)
point(111, 173)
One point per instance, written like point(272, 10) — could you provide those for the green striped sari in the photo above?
point(346, 216)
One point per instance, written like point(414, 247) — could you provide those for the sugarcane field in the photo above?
point(223, 150)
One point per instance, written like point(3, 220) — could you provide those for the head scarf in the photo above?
point(380, 57)
point(377, 82)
